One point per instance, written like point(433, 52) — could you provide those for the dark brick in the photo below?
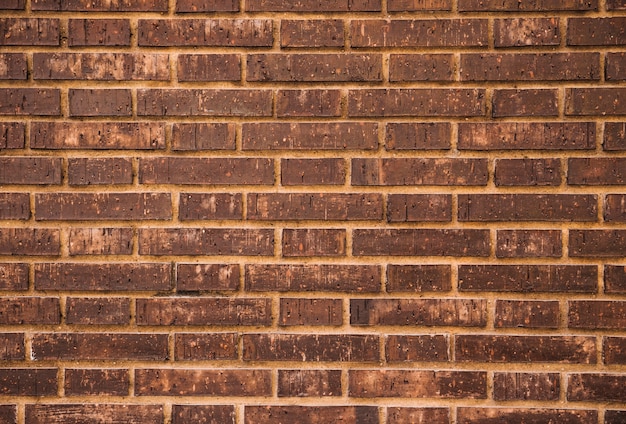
point(314, 6)
point(98, 32)
point(309, 383)
point(596, 171)
point(525, 415)
point(30, 241)
point(427, 348)
point(596, 31)
point(526, 6)
point(206, 414)
point(13, 66)
point(528, 244)
point(615, 66)
point(419, 208)
point(101, 382)
point(597, 243)
point(30, 170)
point(14, 205)
point(88, 171)
point(101, 5)
point(312, 414)
point(614, 417)
point(28, 382)
point(209, 67)
point(311, 33)
point(203, 136)
point(614, 136)
point(597, 314)
point(595, 101)
point(194, 6)
point(404, 415)
point(87, 413)
point(614, 349)
point(12, 348)
point(8, 413)
point(418, 278)
point(101, 241)
point(100, 102)
point(205, 347)
point(196, 206)
point(12, 5)
point(308, 103)
point(314, 242)
point(421, 67)
point(615, 279)
point(526, 314)
point(615, 5)
point(417, 136)
point(528, 172)
point(30, 101)
point(522, 32)
point(418, 5)
point(12, 135)
point(14, 276)
point(29, 32)
point(526, 386)
point(325, 171)
point(596, 387)
point(527, 102)
point(310, 312)
point(29, 310)
point(207, 277)
point(98, 311)
point(615, 208)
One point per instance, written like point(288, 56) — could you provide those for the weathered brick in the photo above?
point(597, 243)
point(417, 136)
point(101, 382)
point(528, 172)
point(596, 387)
point(194, 206)
point(614, 349)
point(596, 31)
point(14, 276)
point(30, 170)
point(526, 386)
point(314, 242)
point(597, 314)
point(88, 171)
point(311, 414)
point(98, 32)
point(615, 66)
point(308, 103)
point(615, 5)
point(13, 5)
point(194, 6)
point(528, 244)
point(521, 32)
point(210, 414)
point(536, 415)
point(311, 33)
point(209, 67)
point(418, 5)
point(614, 136)
point(100, 102)
point(203, 136)
point(310, 312)
point(614, 417)
point(418, 278)
point(526, 314)
point(13, 348)
point(526, 6)
point(13, 66)
point(328, 171)
point(595, 101)
point(101, 5)
point(525, 102)
point(207, 277)
point(30, 101)
point(101, 241)
point(29, 241)
point(8, 413)
point(76, 413)
point(310, 347)
point(421, 67)
point(614, 279)
point(314, 6)
point(29, 32)
point(97, 311)
point(309, 383)
point(14, 205)
point(410, 415)
point(596, 171)
point(419, 208)
point(12, 135)
point(205, 347)
point(427, 348)
point(615, 208)
point(28, 382)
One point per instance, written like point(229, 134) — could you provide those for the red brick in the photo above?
point(98, 32)
point(205, 32)
point(527, 102)
point(418, 278)
point(207, 277)
point(13, 5)
point(182, 170)
point(419, 171)
point(614, 136)
point(417, 384)
point(102, 382)
point(418, 5)
point(204, 311)
point(311, 414)
point(439, 102)
point(12, 135)
point(614, 349)
point(205, 347)
point(528, 172)
point(596, 387)
point(206, 241)
point(203, 136)
point(193, 206)
point(194, 6)
point(615, 66)
point(417, 136)
point(101, 5)
point(597, 314)
point(102, 277)
point(421, 312)
point(30, 170)
point(314, 6)
point(526, 314)
point(419, 208)
point(425, 348)
point(597, 243)
point(99, 347)
point(29, 241)
point(29, 32)
point(305, 278)
point(308, 103)
point(100, 102)
point(101, 241)
point(311, 312)
point(525, 415)
point(13, 348)
point(404, 415)
point(80, 413)
point(209, 67)
point(309, 383)
point(209, 414)
point(615, 5)
point(88, 171)
point(311, 347)
point(14, 276)
point(421, 67)
point(529, 278)
point(311, 33)
point(314, 242)
point(315, 206)
point(330, 171)
point(526, 386)
point(595, 101)
point(205, 382)
point(596, 31)
point(615, 208)
point(14, 205)
point(526, 6)
point(30, 101)
point(97, 311)
point(8, 413)
point(614, 417)
point(614, 279)
point(420, 242)
point(528, 244)
point(28, 382)
point(13, 66)
point(596, 171)
point(522, 32)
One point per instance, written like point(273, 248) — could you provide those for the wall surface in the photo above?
point(313, 211)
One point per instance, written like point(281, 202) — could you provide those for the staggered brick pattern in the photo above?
point(313, 211)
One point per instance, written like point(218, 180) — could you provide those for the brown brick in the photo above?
point(204, 311)
point(206, 241)
point(311, 414)
point(614, 417)
point(8, 413)
point(528, 207)
point(419, 33)
point(314, 6)
point(13, 66)
point(205, 32)
point(529, 278)
point(311, 312)
point(615, 208)
point(30, 101)
point(526, 6)
point(98, 32)
point(29, 32)
point(30, 170)
point(81, 413)
point(425, 348)
point(28, 382)
point(615, 66)
point(203, 136)
point(100, 102)
point(417, 384)
point(419, 171)
point(209, 67)
point(596, 171)
point(526, 386)
point(418, 278)
point(98, 311)
point(419, 208)
point(305, 278)
point(309, 383)
point(417, 136)
point(424, 102)
point(13, 5)
point(615, 5)
point(88, 171)
point(12, 135)
point(597, 243)
point(421, 67)
point(522, 32)
point(614, 349)
point(207, 277)
point(526, 102)
point(614, 136)
point(420, 242)
point(14, 205)
point(314, 242)
point(194, 206)
point(596, 387)
point(418, 5)
point(528, 244)
point(404, 415)
point(102, 382)
point(422, 312)
point(29, 241)
point(14, 276)
point(209, 414)
point(208, 102)
point(614, 279)
point(308, 103)
point(99, 346)
point(13, 348)
point(315, 206)
point(519, 415)
point(596, 31)
point(101, 241)
point(597, 314)
point(595, 101)
point(181, 170)
point(311, 347)
point(311, 33)
point(526, 314)
point(205, 382)
point(194, 6)
point(101, 5)
point(102, 277)
point(205, 347)
point(528, 172)
point(328, 171)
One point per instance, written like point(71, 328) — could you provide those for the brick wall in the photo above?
point(305, 211)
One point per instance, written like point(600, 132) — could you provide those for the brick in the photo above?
point(100, 67)
point(13, 66)
point(419, 208)
point(314, 6)
point(305, 278)
point(12, 135)
point(99, 347)
point(614, 349)
point(100, 102)
point(210, 414)
point(98, 32)
point(29, 241)
point(14, 206)
point(537, 415)
point(529, 278)
point(419, 171)
point(30, 101)
point(614, 279)
point(30, 170)
point(614, 417)
point(202, 382)
point(8, 413)
point(76, 413)
point(206, 241)
point(595, 101)
point(614, 136)
point(615, 5)
point(88, 171)
point(421, 67)
point(615, 208)
point(315, 206)
point(203, 136)
point(102, 206)
point(309, 383)
point(205, 347)
point(419, 33)
point(523, 32)
point(205, 32)
point(13, 348)
point(101, 241)
point(208, 102)
point(98, 311)
point(527, 172)
point(528, 244)
point(13, 5)
point(204, 311)
point(14, 276)
point(528, 6)
point(29, 32)
point(526, 386)
point(308, 103)
point(194, 206)
point(311, 414)
point(596, 387)
point(615, 67)
point(427, 348)
point(309, 136)
point(527, 102)
point(183, 170)
point(405, 415)
point(314, 242)
point(207, 277)
point(311, 347)
point(596, 171)
point(417, 136)
point(310, 312)
point(527, 135)
point(311, 33)
point(418, 278)
point(596, 31)
point(329, 171)
point(424, 102)
point(561, 349)
point(100, 5)
point(528, 207)
point(209, 67)
point(417, 384)
point(597, 243)
point(314, 67)
point(526, 314)
point(418, 5)
point(422, 312)
point(194, 6)
point(597, 314)
point(102, 277)
point(28, 382)
point(420, 242)
point(102, 382)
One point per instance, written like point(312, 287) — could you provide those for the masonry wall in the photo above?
point(305, 211)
